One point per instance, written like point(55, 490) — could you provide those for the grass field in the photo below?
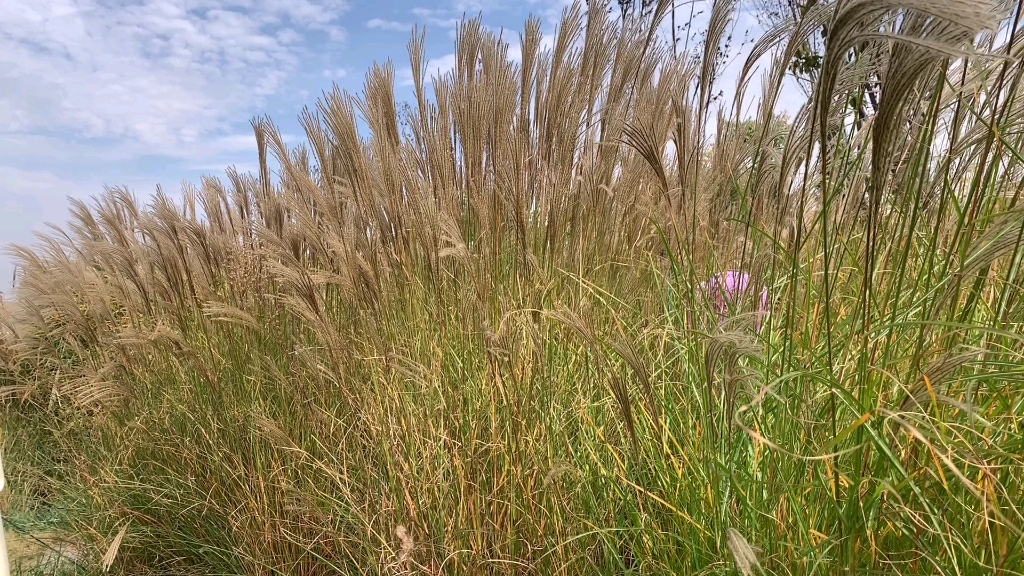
point(474, 341)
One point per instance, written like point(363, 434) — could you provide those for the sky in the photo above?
point(141, 93)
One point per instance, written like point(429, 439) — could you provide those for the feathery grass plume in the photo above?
point(726, 349)
point(934, 377)
point(111, 553)
point(743, 554)
point(407, 543)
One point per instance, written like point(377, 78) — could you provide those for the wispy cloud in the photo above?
point(36, 196)
point(152, 73)
point(442, 18)
point(17, 184)
point(140, 92)
point(335, 73)
point(440, 66)
point(436, 67)
point(391, 25)
point(479, 5)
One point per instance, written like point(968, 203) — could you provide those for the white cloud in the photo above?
point(440, 18)
point(550, 15)
point(550, 12)
point(476, 5)
point(388, 25)
point(27, 199)
point(289, 36)
point(337, 34)
point(446, 63)
point(335, 73)
point(745, 29)
point(15, 182)
point(151, 73)
point(435, 67)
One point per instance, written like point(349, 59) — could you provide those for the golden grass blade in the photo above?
point(115, 545)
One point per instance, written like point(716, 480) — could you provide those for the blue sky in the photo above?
point(146, 92)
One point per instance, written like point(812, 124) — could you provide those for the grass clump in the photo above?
point(475, 341)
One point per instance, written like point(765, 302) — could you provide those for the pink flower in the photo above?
point(726, 288)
